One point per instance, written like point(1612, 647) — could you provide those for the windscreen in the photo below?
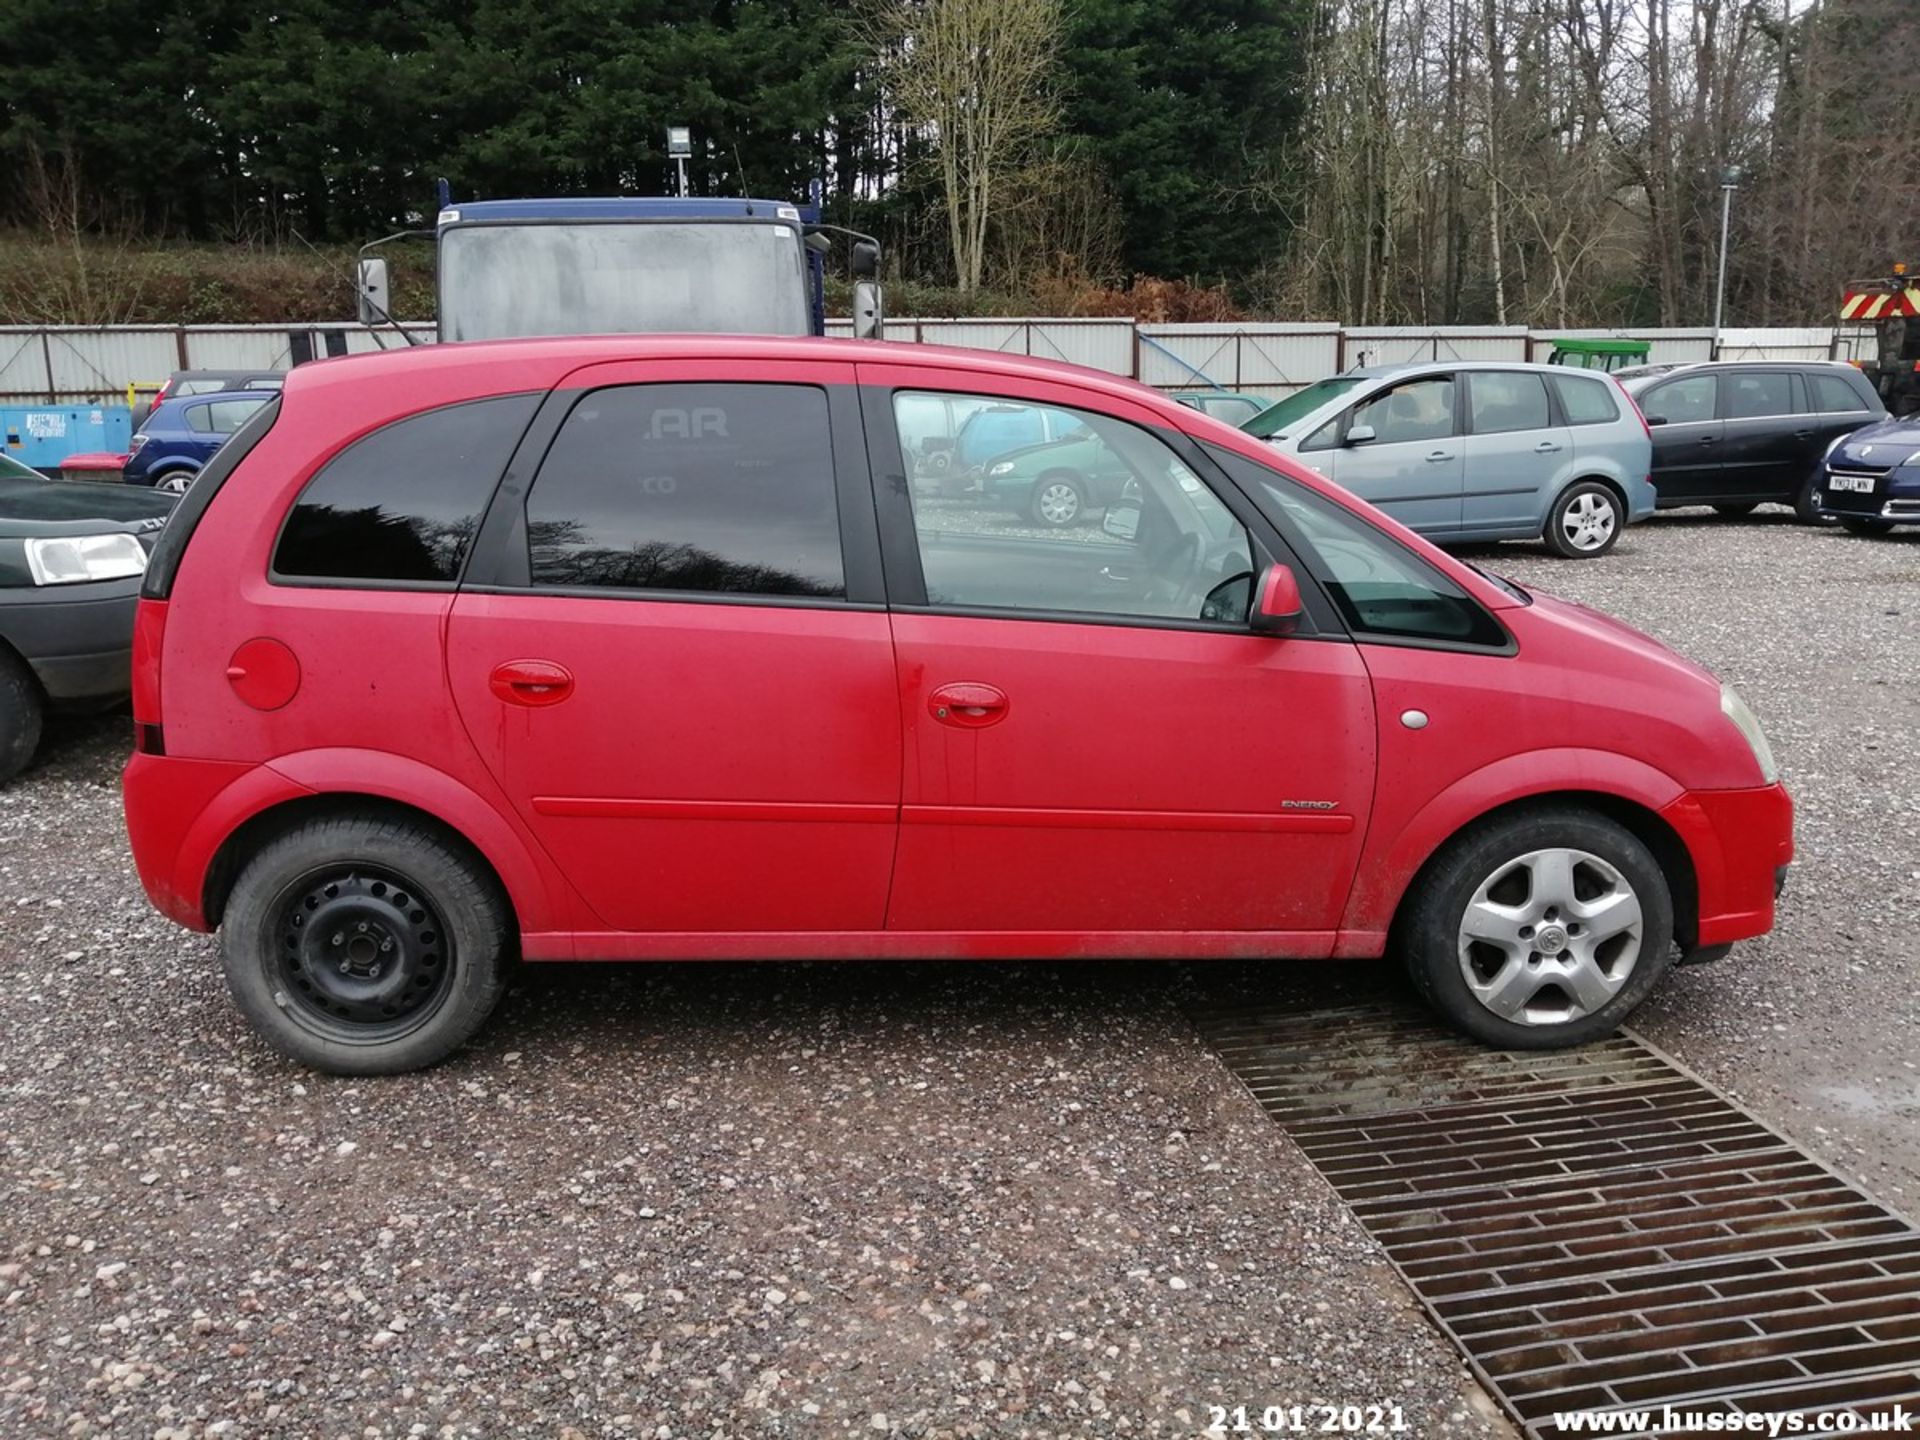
point(616, 278)
point(1276, 418)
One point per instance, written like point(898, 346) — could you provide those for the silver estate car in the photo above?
point(1477, 450)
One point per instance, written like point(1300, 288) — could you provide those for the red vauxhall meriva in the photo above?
point(652, 648)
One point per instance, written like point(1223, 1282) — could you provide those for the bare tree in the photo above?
point(974, 75)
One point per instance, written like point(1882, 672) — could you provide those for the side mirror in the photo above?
point(1277, 607)
point(869, 319)
point(866, 258)
point(1122, 522)
point(371, 291)
point(1359, 434)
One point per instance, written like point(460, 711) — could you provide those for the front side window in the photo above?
point(1103, 520)
point(714, 488)
point(1585, 402)
point(1752, 396)
point(1506, 400)
point(1682, 402)
point(1411, 410)
point(1382, 589)
point(403, 502)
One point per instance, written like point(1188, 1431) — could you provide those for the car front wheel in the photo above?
point(1056, 502)
point(365, 945)
point(1540, 930)
point(1585, 521)
point(20, 713)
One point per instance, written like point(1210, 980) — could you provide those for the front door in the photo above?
point(1400, 450)
point(1684, 419)
point(672, 652)
point(1097, 747)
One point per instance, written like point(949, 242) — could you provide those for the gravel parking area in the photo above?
point(831, 1199)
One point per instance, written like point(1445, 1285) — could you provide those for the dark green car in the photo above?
point(1059, 483)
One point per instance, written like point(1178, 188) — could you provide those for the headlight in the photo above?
point(1913, 459)
point(1735, 709)
point(67, 559)
point(1005, 467)
point(1833, 445)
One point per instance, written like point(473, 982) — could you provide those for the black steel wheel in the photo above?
point(366, 945)
point(20, 711)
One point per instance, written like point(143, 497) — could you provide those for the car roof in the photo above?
point(622, 207)
point(228, 375)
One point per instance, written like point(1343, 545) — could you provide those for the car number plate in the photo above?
point(1860, 484)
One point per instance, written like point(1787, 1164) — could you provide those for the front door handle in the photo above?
point(1803, 434)
point(531, 682)
point(1439, 455)
point(968, 704)
point(1709, 439)
point(1546, 447)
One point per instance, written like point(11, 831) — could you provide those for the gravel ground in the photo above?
point(830, 1199)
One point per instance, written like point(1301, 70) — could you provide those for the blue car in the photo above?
point(181, 435)
point(1870, 480)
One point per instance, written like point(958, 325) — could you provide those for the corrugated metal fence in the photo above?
point(75, 363)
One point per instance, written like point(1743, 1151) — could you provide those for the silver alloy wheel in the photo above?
point(1589, 521)
point(1058, 502)
point(1550, 937)
point(174, 484)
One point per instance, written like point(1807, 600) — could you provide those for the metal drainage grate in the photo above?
point(1595, 1229)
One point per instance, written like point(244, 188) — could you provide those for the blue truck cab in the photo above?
point(629, 265)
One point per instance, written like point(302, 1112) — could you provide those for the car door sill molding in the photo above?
point(932, 945)
point(590, 807)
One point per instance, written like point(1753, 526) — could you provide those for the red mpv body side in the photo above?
point(674, 777)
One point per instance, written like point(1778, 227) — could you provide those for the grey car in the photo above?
point(1468, 451)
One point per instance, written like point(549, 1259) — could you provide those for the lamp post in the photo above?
point(1730, 176)
point(680, 146)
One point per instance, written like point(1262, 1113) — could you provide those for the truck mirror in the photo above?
point(868, 315)
point(866, 258)
point(370, 287)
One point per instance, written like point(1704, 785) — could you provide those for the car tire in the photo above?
point(1585, 522)
point(1058, 499)
point(21, 711)
point(1862, 525)
point(366, 945)
point(1735, 509)
point(1495, 905)
point(173, 482)
point(1806, 504)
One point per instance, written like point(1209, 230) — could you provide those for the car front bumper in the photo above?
point(77, 639)
point(1894, 498)
point(1741, 843)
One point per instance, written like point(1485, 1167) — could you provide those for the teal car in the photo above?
point(1059, 483)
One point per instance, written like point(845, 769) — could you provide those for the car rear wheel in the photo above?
point(364, 945)
point(174, 482)
point(1057, 500)
point(20, 715)
point(1539, 930)
point(1860, 525)
point(1585, 521)
point(1735, 509)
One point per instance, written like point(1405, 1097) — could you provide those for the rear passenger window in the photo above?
point(1504, 401)
point(1834, 396)
point(714, 488)
point(1586, 402)
point(1752, 396)
point(403, 503)
point(226, 416)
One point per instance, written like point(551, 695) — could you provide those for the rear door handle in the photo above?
point(1437, 456)
point(1546, 447)
point(1803, 434)
point(531, 682)
point(1709, 439)
point(968, 704)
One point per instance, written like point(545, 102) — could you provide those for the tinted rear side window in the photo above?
point(1834, 396)
point(1756, 395)
point(722, 488)
point(403, 503)
point(1586, 402)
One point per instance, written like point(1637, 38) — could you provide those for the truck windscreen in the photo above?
point(608, 278)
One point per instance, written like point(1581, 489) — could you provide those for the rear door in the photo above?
point(1766, 434)
point(672, 651)
point(1515, 450)
point(1411, 465)
point(1683, 415)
